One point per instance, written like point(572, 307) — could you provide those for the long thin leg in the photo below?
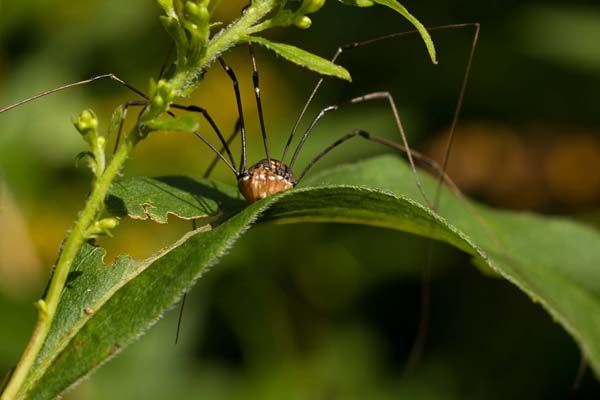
point(165, 63)
point(217, 152)
point(137, 103)
point(327, 149)
point(419, 342)
point(182, 306)
point(230, 139)
point(425, 311)
point(196, 133)
point(354, 45)
point(458, 108)
point(112, 77)
point(361, 99)
point(423, 324)
point(583, 365)
point(258, 102)
point(238, 98)
point(123, 118)
point(421, 158)
point(209, 119)
point(211, 122)
point(425, 305)
point(180, 318)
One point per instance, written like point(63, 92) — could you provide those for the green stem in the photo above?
point(47, 306)
point(187, 80)
point(184, 82)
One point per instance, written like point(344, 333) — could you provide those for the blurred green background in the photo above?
point(316, 311)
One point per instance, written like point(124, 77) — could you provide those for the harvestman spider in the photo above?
point(270, 176)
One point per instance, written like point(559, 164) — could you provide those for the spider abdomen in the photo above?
point(265, 179)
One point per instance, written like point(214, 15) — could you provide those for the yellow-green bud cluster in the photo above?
point(87, 125)
point(196, 13)
point(161, 96)
point(296, 15)
point(188, 23)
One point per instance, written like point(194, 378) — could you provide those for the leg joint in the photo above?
point(364, 134)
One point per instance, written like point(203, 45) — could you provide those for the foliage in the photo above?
point(129, 296)
point(189, 24)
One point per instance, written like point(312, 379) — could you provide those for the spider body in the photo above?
point(265, 178)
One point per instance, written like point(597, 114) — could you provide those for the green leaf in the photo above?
point(186, 123)
point(394, 5)
point(143, 198)
point(89, 285)
point(553, 260)
point(303, 58)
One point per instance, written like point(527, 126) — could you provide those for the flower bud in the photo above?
point(191, 7)
point(198, 11)
point(158, 101)
point(303, 22)
point(108, 223)
point(161, 95)
point(86, 123)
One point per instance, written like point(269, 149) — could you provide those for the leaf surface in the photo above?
point(156, 198)
point(553, 260)
point(303, 58)
point(186, 123)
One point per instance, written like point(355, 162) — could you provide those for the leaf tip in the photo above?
point(432, 54)
point(346, 75)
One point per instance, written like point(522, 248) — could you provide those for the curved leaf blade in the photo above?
point(399, 8)
point(545, 259)
point(130, 307)
point(553, 260)
point(394, 5)
point(303, 58)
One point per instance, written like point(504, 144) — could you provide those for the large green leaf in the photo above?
point(105, 308)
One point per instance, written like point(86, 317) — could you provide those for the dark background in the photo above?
point(316, 311)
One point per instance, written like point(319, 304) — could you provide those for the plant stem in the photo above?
point(187, 80)
point(184, 82)
point(47, 306)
